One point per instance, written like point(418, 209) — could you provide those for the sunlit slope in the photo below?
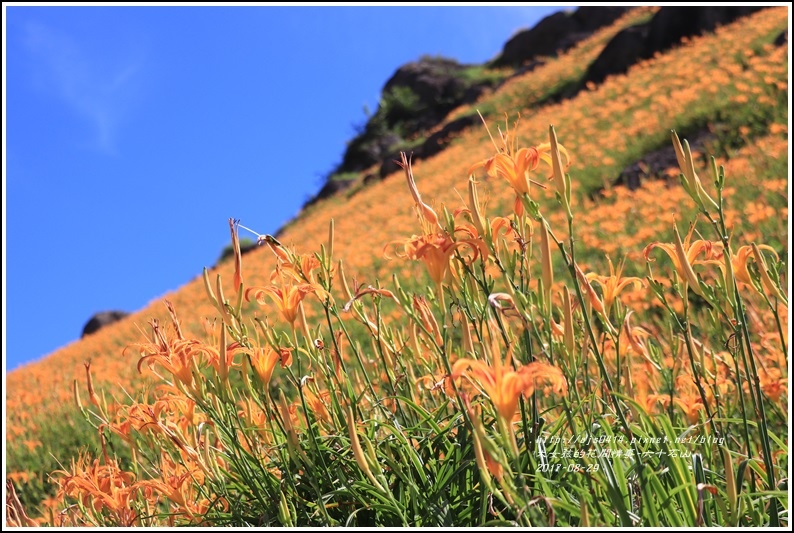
point(735, 75)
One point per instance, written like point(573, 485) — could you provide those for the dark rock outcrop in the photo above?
point(417, 98)
point(626, 48)
point(434, 144)
point(368, 148)
point(435, 85)
point(555, 33)
point(672, 23)
point(666, 29)
point(102, 319)
point(654, 164)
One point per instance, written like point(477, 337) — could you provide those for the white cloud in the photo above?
point(98, 92)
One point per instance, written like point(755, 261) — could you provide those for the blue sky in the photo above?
point(131, 135)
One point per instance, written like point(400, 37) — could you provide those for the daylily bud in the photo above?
point(283, 511)
point(480, 458)
point(595, 301)
point(686, 266)
point(474, 206)
point(345, 286)
point(208, 288)
point(716, 175)
point(223, 365)
point(730, 480)
point(691, 181)
point(221, 303)
point(91, 394)
point(486, 463)
point(560, 181)
point(584, 517)
point(238, 258)
point(293, 445)
point(468, 345)
point(425, 211)
point(330, 241)
point(566, 302)
point(246, 377)
point(545, 261)
point(358, 452)
point(76, 392)
point(428, 318)
point(730, 277)
point(304, 324)
point(509, 309)
point(766, 282)
point(593, 298)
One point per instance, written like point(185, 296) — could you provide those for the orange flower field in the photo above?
point(496, 335)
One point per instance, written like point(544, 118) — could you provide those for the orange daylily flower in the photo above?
point(137, 417)
point(503, 385)
point(497, 227)
point(557, 329)
point(515, 165)
point(739, 262)
point(264, 360)
point(515, 168)
point(684, 255)
point(15, 512)
point(178, 483)
point(317, 403)
point(638, 373)
point(641, 381)
point(613, 284)
point(688, 399)
point(179, 356)
point(435, 250)
point(773, 384)
point(301, 269)
point(486, 463)
point(100, 487)
point(214, 356)
point(286, 298)
point(487, 231)
point(636, 336)
point(435, 246)
point(494, 467)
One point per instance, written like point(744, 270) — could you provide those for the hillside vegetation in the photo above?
point(458, 341)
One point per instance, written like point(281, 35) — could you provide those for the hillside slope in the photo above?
point(729, 87)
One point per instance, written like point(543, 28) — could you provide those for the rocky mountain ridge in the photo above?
point(419, 96)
